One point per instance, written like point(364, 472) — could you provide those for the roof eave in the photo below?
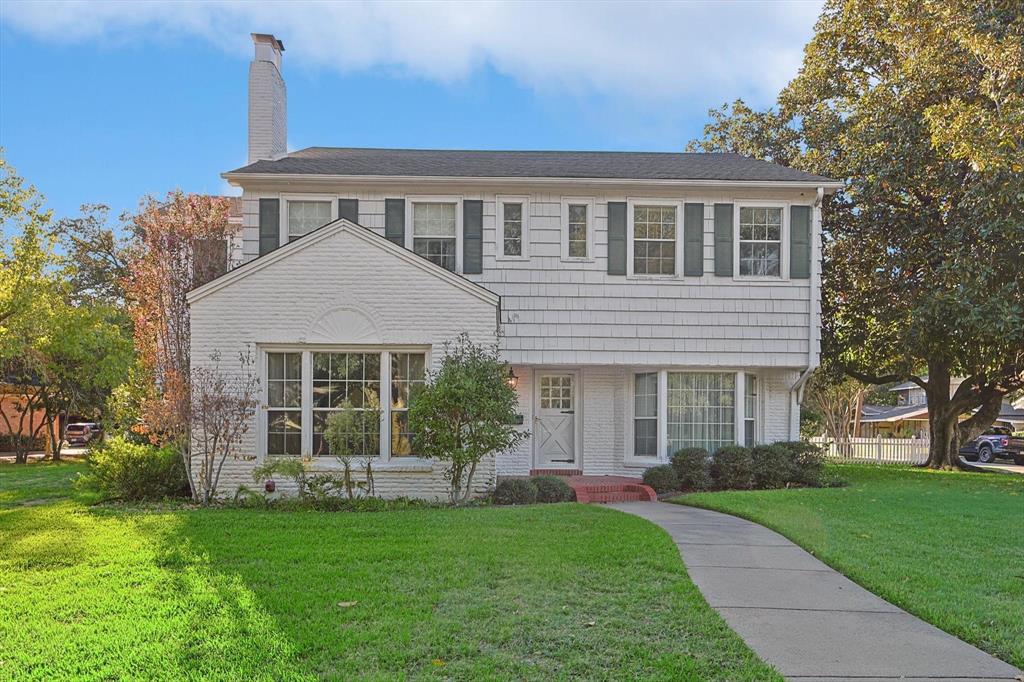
point(237, 179)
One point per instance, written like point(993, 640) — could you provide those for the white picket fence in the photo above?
point(877, 450)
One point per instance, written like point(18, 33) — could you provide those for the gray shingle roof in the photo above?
point(526, 164)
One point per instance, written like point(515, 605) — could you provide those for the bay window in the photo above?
point(305, 387)
point(760, 241)
point(434, 226)
point(682, 409)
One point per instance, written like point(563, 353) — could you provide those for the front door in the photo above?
point(555, 421)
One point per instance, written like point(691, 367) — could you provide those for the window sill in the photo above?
point(576, 259)
point(396, 465)
point(512, 258)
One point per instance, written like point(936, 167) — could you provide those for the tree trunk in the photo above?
point(942, 418)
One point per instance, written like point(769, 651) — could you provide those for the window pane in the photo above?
point(408, 376)
point(760, 248)
point(433, 219)
point(701, 410)
point(645, 415)
point(306, 216)
point(654, 235)
point(352, 382)
point(439, 251)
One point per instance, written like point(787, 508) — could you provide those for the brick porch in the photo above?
point(602, 489)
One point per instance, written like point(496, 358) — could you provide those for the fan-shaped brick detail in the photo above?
point(345, 325)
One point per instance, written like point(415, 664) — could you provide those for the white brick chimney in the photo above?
point(268, 100)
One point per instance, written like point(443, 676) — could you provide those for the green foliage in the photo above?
point(286, 467)
point(351, 432)
point(515, 491)
point(465, 412)
point(807, 463)
point(917, 109)
point(693, 468)
point(553, 489)
point(732, 468)
point(126, 471)
point(770, 466)
point(662, 478)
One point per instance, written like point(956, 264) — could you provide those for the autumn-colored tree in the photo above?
point(917, 107)
point(169, 260)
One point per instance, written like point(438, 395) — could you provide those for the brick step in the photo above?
point(556, 472)
point(619, 496)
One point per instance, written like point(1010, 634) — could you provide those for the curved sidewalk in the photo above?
point(801, 616)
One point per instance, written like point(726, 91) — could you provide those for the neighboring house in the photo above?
point(645, 301)
point(909, 417)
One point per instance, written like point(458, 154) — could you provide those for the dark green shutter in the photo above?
point(693, 240)
point(616, 238)
point(800, 242)
point(472, 237)
point(349, 210)
point(394, 220)
point(270, 225)
point(723, 240)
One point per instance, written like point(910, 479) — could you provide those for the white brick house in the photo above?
point(645, 301)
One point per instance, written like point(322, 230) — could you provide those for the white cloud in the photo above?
point(653, 51)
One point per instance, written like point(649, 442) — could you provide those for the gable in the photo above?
point(328, 239)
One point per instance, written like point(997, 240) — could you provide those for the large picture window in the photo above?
point(284, 403)
point(433, 232)
point(654, 240)
point(346, 381)
point(701, 410)
point(760, 242)
point(305, 387)
point(306, 216)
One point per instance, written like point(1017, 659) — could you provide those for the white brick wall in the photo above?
point(323, 294)
point(268, 112)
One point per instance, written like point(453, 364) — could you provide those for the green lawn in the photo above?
point(946, 546)
point(540, 592)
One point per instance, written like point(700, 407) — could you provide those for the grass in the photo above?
point(946, 546)
point(538, 592)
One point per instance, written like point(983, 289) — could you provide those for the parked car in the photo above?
point(81, 433)
point(998, 441)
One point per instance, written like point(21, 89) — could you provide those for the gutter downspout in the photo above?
point(796, 392)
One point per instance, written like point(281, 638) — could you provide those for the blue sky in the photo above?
point(109, 101)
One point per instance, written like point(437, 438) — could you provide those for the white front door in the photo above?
point(555, 421)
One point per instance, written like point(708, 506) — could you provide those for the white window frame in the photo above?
point(287, 198)
point(631, 204)
point(630, 459)
point(756, 416)
point(330, 463)
point(436, 199)
point(499, 226)
point(589, 202)
point(783, 236)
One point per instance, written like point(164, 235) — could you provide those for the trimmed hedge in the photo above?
point(553, 489)
point(515, 491)
point(732, 468)
point(662, 478)
point(692, 469)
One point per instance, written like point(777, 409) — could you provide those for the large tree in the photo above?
point(918, 108)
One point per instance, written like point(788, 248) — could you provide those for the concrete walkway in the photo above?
point(801, 616)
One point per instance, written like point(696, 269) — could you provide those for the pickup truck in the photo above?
point(998, 441)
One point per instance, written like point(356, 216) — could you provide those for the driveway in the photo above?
point(801, 616)
point(999, 465)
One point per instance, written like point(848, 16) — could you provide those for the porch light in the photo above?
point(512, 380)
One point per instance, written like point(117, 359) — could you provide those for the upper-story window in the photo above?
point(434, 227)
point(513, 227)
point(760, 240)
point(577, 228)
point(654, 240)
point(304, 216)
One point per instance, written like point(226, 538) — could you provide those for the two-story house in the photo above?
point(645, 301)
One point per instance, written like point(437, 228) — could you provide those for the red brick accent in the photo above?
point(556, 472)
point(599, 489)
